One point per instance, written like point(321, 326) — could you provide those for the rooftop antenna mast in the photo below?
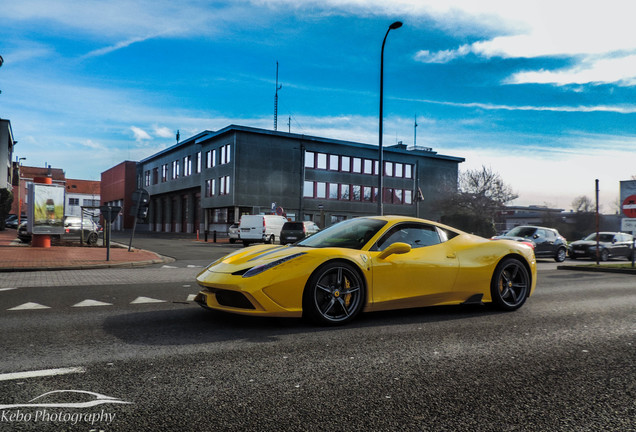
point(278, 87)
point(415, 131)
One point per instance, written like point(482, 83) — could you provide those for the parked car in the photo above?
point(260, 228)
point(233, 233)
point(548, 243)
point(72, 231)
point(611, 245)
point(11, 221)
point(295, 231)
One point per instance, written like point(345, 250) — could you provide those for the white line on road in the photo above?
point(7, 289)
point(140, 300)
point(28, 306)
point(89, 303)
point(41, 373)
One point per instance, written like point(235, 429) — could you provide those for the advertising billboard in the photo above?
point(46, 209)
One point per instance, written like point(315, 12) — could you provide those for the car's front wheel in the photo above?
point(604, 255)
point(560, 255)
point(92, 239)
point(334, 294)
point(510, 284)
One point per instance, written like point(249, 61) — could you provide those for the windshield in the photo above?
point(350, 234)
point(607, 238)
point(521, 232)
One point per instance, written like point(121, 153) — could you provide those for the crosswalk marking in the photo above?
point(90, 303)
point(29, 306)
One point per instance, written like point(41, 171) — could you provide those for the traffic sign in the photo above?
point(628, 225)
point(110, 213)
point(629, 206)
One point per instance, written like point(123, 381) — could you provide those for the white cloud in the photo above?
point(140, 134)
point(163, 132)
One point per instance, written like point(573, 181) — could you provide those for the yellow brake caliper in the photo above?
point(347, 286)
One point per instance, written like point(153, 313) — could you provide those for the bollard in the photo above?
point(214, 236)
point(205, 235)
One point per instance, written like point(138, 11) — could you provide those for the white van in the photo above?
point(260, 228)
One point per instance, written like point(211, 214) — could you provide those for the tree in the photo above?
point(583, 204)
point(481, 193)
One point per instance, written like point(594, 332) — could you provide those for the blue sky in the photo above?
point(543, 92)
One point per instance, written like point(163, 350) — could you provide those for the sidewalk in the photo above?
point(16, 256)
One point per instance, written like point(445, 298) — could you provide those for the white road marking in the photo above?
point(140, 300)
point(168, 267)
point(7, 289)
point(89, 303)
point(194, 266)
point(29, 306)
point(191, 297)
point(41, 373)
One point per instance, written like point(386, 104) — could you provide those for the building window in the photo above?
point(155, 176)
point(355, 192)
point(321, 161)
point(334, 162)
point(408, 197)
point(408, 171)
point(187, 166)
point(345, 192)
point(90, 203)
point(333, 191)
point(209, 187)
point(368, 166)
point(210, 159)
point(308, 189)
point(147, 178)
point(197, 165)
point(398, 170)
point(367, 193)
point(345, 163)
point(73, 201)
point(175, 169)
point(310, 159)
point(225, 154)
point(321, 190)
point(357, 165)
point(164, 173)
point(224, 185)
point(388, 169)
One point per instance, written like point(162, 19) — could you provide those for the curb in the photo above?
point(598, 269)
point(127, 264)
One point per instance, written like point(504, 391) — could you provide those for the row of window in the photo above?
point(183, 168)
point(224, 186)
point(331, 162)
point(349, 192)
point(85, 202)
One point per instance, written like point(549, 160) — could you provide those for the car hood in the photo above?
point(251, 257)
point(504, 237)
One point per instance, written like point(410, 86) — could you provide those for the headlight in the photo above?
point(261, 268)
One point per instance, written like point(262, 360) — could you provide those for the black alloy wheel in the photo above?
point(510, 284)
point(334, 294)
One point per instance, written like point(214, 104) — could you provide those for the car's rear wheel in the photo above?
point(92, 239)
point(510, 284)
point(560, 255)
point(334, 294)
point(604, 255)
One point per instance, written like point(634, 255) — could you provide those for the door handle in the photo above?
point(451, 255)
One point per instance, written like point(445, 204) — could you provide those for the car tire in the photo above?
point(334, 294)
point(560, 255)
point(271, 239)
point(510, 285)
point(604, 255)
point(92, 239)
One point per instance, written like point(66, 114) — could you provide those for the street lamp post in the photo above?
point(393, 26)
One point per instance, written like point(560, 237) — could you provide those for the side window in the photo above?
point(540, 233)
point(550, 234)
point(415, 235)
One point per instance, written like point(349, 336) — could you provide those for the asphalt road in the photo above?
point(566, 361)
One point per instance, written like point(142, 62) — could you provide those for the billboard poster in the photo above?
point(46, 212)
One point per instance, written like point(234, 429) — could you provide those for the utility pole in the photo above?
point(278, 87)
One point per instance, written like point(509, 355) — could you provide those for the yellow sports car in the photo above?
point(370, 264)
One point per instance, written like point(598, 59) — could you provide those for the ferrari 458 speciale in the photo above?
point(370, 264)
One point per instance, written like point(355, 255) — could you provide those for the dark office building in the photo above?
point(211, 179)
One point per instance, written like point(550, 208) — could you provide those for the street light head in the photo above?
point(396, 25)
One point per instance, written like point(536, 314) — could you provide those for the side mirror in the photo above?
point(536, 236)
point(395, 248)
